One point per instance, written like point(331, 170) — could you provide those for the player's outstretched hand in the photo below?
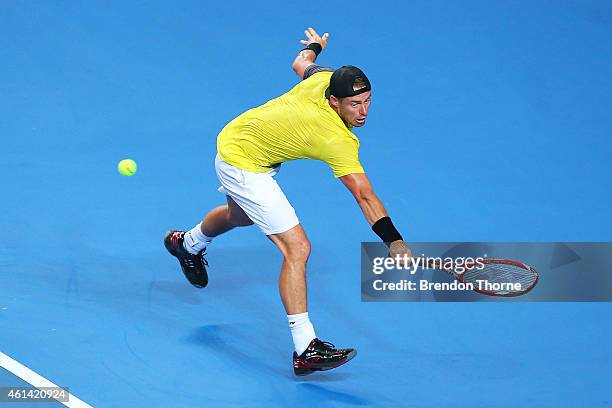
point(313, 37)
point(401, 252)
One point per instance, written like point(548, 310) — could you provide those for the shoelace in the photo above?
point(328, 348)
point(204, 261)
point(190, 260)
point(328, 345)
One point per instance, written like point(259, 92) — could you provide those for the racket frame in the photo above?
point(459, 276)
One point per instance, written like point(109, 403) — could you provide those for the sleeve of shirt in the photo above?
point(343, 157)
point(314, 68)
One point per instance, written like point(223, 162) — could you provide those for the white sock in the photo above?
point(195, 241)
point(302, 331)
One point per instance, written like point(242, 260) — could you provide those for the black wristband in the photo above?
point(315, 47)
point(385, 229)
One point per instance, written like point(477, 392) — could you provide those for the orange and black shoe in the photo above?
point(193, 266)
point(320, 356)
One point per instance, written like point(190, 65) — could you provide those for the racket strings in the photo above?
point(500, 273)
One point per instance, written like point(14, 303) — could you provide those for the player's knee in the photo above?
point(298, 251)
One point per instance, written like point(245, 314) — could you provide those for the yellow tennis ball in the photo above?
point(127, 167)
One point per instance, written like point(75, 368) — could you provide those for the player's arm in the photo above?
point(375, 213)
point(314, 44)
point(359, 185)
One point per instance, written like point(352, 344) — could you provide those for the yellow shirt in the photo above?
point(297, 125)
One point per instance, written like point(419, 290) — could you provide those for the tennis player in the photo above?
point(314, 120)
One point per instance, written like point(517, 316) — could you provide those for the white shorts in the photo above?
point(259, 196)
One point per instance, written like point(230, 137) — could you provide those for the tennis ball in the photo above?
point(127, 167)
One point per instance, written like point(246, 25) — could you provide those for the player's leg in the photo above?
point(218, 221)
point(295, 247)
point(224, 218)
point(189, 247)
point(311, 354)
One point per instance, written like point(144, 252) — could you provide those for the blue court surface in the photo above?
point(491, 121)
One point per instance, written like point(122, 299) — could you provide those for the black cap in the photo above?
point(347, 81)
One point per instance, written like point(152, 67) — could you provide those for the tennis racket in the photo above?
point(493, 277)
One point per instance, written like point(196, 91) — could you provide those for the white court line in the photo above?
point(36, 380)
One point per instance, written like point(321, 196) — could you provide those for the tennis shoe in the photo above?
point(320, 356)
point(193, 266)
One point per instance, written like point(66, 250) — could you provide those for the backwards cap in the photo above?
point(348, 81)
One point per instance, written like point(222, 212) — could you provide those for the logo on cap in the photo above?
point(359, 84)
